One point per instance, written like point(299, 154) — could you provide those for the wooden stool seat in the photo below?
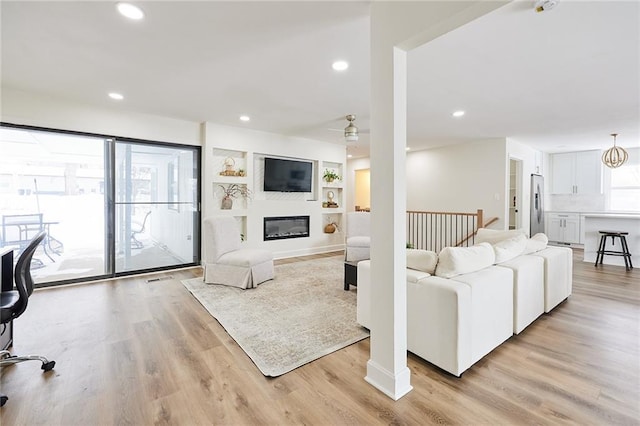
point(623, 242)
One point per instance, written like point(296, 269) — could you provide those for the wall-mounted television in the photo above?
point(282, 175)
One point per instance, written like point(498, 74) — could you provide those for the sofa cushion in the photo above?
point(493, 236)
point(422, 260)
point(414, 276)
point(453, 261)
point(359, 241)
point(508, 249)
point(246, 257)
point(536, 243)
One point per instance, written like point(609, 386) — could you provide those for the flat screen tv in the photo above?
point(282, 175)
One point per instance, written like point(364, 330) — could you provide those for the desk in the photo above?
point(6, 274)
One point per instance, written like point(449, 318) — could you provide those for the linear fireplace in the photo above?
point(277, 228)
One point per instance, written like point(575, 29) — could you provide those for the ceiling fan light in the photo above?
point(351, 131)
point(615, 156)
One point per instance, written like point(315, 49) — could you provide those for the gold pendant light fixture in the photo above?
point(614, 156)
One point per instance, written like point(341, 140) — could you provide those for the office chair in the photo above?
point(14, 302)
point(135, 243)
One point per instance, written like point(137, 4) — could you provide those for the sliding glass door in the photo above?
point(54, 181)
point(109, 206)
point(156, 214)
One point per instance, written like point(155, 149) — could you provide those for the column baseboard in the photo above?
point(395, 386)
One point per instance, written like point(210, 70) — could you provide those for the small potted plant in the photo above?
point(233, 191)
point(329, 176)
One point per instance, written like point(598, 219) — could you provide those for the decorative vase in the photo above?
point(330, 228)
point(227, 203)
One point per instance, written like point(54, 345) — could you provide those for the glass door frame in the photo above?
point(110, 198)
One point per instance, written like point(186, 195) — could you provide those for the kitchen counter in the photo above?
point(623, 222)
point(613, 215)
point(594, 213)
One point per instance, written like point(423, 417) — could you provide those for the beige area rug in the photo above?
point(300, 316)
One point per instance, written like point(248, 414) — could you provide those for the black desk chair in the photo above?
point(13, 303)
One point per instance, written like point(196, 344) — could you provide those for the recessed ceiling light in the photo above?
point(245, 118)
point(458, 114)
point(340, 65)
point(130, 11)
point(116, 96)
point(349, 156)
point(408, 148)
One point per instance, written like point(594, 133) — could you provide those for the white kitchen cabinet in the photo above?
point(563, 228)
point(576, 173)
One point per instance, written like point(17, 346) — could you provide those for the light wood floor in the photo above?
point(130, 351)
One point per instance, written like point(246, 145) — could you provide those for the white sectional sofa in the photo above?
point(465, 301)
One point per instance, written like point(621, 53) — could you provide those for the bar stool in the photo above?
point(623, 242)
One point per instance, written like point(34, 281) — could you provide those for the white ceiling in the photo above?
point(558, 80)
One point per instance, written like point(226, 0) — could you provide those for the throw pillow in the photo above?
point(508, 249)
point(453, 261)
point(422, 260)
point(493, 236)
point(536, 243)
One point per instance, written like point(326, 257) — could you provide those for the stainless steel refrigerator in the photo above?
point(537, 205)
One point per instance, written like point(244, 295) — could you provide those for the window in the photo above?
point(624, 184)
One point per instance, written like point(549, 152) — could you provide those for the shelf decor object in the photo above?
point(331, 227)
point(233, 191)
point(329, 176)
point(229, 170)
point(615, 156)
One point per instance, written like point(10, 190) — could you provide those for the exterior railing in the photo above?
point(436, 230)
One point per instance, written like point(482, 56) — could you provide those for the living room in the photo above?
point(44, 109)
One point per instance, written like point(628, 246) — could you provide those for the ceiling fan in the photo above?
point(351, 132)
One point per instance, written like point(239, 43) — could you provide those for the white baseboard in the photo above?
point(395, 386)
point(307, 251)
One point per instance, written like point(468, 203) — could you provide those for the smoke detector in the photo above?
point(544, 5)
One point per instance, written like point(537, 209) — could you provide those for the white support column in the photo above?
point(387, 369)
point(397, 27)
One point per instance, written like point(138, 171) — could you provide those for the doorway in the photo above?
point(515, 193)
point(362, 191)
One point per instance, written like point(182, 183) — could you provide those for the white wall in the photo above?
point(468, 177)
point(31, 109)
point(460, 178)
point(257, 144)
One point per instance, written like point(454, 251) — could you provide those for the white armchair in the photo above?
point(358, 236)
point(229, 264)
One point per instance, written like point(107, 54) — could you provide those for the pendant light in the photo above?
point(614, 156)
